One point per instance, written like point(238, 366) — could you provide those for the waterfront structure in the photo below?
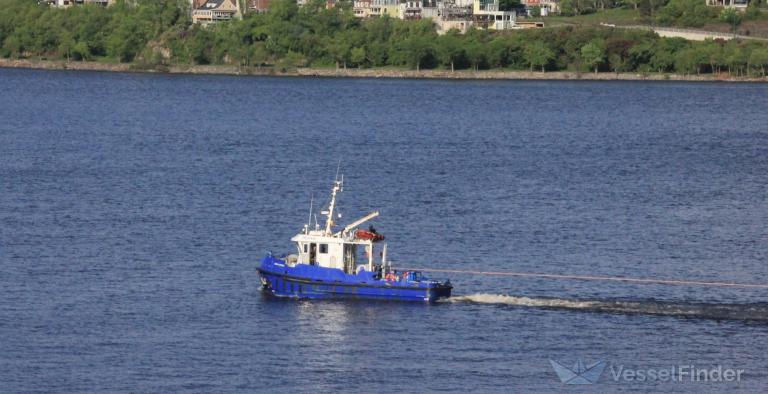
point(211, 11)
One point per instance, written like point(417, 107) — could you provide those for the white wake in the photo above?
point(757, 312)
point(482, 298)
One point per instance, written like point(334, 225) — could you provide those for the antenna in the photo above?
point(311, 201)
point(338, 167)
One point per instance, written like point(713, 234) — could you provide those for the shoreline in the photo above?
point(366, 73)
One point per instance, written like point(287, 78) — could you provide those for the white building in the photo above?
point(212, 11)
point(486, 14)
point(454, 14)
point(411, 9)
point(546, 6)
point(738, 4)
point(447, 14)
point(376, 8)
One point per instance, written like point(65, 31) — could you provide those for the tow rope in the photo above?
point(596, 278)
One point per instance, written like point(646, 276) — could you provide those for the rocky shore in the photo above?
point(365, 73)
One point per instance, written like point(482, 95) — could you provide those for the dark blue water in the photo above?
point(133, 210)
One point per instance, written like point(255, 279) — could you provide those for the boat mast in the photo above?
point(309, 220)
point(337, 186)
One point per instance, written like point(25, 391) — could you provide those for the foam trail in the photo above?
point(756, 312)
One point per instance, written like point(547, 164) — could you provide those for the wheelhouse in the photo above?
point(350, 250)
point(347, 254)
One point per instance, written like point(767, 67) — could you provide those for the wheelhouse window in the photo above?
point(323, 248)
point(306, 248)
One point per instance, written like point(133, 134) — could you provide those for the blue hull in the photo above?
point(312, 282)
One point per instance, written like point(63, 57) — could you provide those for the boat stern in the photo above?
point(440, 290)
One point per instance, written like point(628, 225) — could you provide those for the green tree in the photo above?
point(567, 8)
point(640, 54)
point(357, 55)
point(713, 54)
point(584, 6)
point(737, 60)
point(13, 45)
point(647, 7)
point(477, 53)
point(753, 10)
point(81, 51)
point(282, 10)
point(538, 53)
point(688, 61)
point(126, 40)
point(732, 17)
point(759, 59)
point(662, 60)
point(92, 25)
point(593, 54)
point(449, 49)
point(508, 50)
point(340, 49)
point(617, 62)
point(508, 5)
point(416, 51)
point(689, 13)
point(292, 60)
point(198, 45)
point(378, 54)
point(66, 44)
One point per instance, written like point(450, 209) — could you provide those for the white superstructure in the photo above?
point(326, 248)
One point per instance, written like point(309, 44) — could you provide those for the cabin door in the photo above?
point(349, 258)
point(312, 254)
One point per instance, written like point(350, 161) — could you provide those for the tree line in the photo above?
point(160, 33)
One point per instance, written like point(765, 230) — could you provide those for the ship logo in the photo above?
point(578, 374)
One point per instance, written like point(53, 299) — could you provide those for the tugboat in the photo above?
point(327, 265)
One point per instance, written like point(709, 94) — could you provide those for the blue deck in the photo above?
point(310, 281)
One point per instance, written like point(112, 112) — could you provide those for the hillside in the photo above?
point(158, 34)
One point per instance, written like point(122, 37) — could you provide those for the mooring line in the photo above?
point(597, 278)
